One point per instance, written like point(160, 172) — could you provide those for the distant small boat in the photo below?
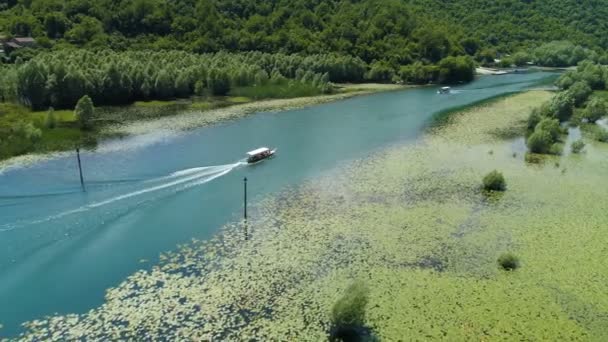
point(444, 90)
point(260, 154)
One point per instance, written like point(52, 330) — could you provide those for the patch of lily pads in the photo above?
point(413, 225)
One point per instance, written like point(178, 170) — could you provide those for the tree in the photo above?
point(56, 24)
point(596, 109)
point(456, 69)
point(540, 142)
point(562, 106)
point(84, 112)
point(550, 126)
point(31, 85)
point(580, 91)
point(85, 30)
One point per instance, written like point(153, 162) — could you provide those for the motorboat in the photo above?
point(444, 90)
point(260, 154)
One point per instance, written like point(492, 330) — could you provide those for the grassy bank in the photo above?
point(25, 132)
point(415, 226)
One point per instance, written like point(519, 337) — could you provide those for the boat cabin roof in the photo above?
point(445, 88)
point(258, 151)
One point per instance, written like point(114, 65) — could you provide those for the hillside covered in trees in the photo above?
point(227, 44)
point(384, 33)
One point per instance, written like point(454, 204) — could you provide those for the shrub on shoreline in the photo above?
point(494, 181)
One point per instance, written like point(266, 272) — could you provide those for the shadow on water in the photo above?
point(352, 333)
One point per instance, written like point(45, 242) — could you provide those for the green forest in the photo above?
point(385, 34)
point(118, 52)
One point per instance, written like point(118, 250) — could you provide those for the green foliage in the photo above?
point(508, 262)
point(350, 308)
point(562, 106)
point(601, 135)
point(577, 146)
point(540, 142)
point(550, 126)
point(534, 118)
point(494, 181)
point(84, 112)
point(580, 92)
point(17, 136)
point(418, 73)
point(455, 69)
point(561, 54)
point(596, 109)
point(61, 78)
point(50, 121)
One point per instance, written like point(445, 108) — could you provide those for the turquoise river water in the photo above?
point(60, 248)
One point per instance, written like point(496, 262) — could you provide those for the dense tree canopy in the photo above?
point(397, 32)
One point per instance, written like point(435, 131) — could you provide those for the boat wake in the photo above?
point(163, 186)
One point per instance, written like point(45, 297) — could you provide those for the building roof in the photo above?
point(13, 45)
point(258, 151)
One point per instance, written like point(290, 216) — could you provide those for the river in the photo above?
point(60, 248)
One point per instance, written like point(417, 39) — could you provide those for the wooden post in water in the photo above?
point(80, 168)
point(245, 199)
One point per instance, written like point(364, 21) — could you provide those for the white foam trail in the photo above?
point(199, 175)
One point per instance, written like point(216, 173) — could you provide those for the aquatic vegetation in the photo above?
point(577, 146)
point(411, 222)
point(494, 181)
point(508, 262)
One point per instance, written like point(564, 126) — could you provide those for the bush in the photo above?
point(550, 126)
point(50, 120)
point(556, 149)
point(540, 142)
point(494, 181)
point(577, 146)
point(508, 262)
point(562, 106)
point(534, 118)
point(350, 308)
point(595, 110)
point(84, 112)
point(601, 135)
point(580, 92)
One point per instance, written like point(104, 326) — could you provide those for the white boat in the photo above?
point(260, 154)
point(444, 90)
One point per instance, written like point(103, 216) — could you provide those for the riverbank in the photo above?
point(412, 223)
point(146, 117)
point(194, 118)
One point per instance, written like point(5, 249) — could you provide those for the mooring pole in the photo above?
point(245, 198)
point(80, 168)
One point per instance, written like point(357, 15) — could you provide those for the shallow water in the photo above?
point(61, 248)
